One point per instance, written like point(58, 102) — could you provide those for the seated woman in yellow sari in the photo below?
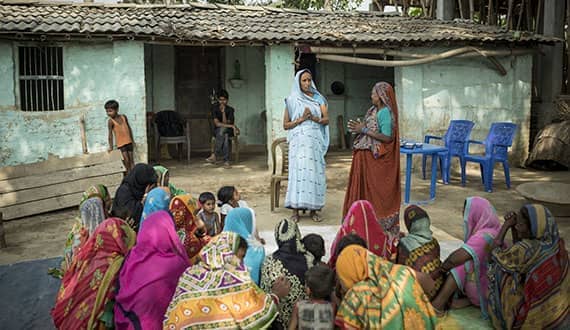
point(380, 294)
point(528, 282)
point(218, 291)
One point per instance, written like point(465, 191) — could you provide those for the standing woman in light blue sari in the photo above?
point(306, 118)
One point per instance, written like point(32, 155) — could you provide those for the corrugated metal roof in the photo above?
point(203, 21)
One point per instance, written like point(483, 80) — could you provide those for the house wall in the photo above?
point(159, 71)
point(431, 95)
point(93, 73)
point(247, 97)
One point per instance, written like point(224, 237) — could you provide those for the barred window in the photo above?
point(41, 78)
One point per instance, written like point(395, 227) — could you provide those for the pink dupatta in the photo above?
point(150, 274)
point(480, 226)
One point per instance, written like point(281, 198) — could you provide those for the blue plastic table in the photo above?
point(426, 149)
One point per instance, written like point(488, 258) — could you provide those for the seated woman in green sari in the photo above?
point(528, 282)
point(380, 294)
point(164, 181)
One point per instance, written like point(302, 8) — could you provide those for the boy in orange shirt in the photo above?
point(119, 127)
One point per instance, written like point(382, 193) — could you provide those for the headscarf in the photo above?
point(218, 292)
point(362, 221)
point(89, 283)
point(161, 173)
point(156, 200)
point(97, 190)
point(92, 213)
point(296, 103)
point(418, 224)
point(128, 198)
point(386, 93)
point(291, 252)
point(150, 273)
point(190, 229)
point(352, 266)
point(241, 221)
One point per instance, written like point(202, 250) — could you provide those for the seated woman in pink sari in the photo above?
point(467, 266)
point(362, 221)
point(149, 275)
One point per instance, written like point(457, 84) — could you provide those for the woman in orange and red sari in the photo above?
point(528, 282)
point(361, 220)
point(375, 170)
point(87, 291)
point(190, 228)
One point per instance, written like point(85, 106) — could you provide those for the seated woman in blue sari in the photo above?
point(306, 118)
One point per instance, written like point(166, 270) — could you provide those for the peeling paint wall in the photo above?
point(247, 97)
point(93, 74)
point(279, 73)
point(431, 95)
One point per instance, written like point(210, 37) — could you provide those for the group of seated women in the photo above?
point(164, 270)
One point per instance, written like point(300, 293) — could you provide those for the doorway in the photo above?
point(197, 74)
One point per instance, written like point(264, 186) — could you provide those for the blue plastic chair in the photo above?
point(497, 144)
point(455, 140)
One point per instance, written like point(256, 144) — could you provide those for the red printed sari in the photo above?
point(190, 228)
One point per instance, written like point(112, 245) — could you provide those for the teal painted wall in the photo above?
point(93, 73)
point(247, 98)
point(279, 73)
point(159, 71)
point(431, 95)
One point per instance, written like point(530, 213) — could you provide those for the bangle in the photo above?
point(364, 130)
point(274, 296)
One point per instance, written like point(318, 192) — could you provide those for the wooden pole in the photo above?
point(528, 15)
point(521, 12)
point(538, 15)
point(83, 135)
point(3, 244)
point(510, 15)
point(471, 9)
point(489, 13)
point(460, 2)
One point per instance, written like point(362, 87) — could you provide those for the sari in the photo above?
point(162, 173)
point(375, 170)
point(156, 200)
point(419, 249)
point(480, 227)
point(88, 286)
point(291, 260)
point(242, 222)
point(380, 294)
point(528, 282)
point(308, 144)
point(128, 198)
point(92, 212)
point(218, 292)
point(190, 229)
point(361, 220)
point(149, 275)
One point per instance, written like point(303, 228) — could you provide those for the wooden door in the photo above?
point(197, 74)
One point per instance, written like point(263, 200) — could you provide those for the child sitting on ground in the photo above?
point(229, 198)
point(315, 244)
point(208, 213)
point(317, 312)
point(119, 127)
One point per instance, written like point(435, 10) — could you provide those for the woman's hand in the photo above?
point(281, 287)
point(355, 126)
point(510, 219)
point(307, 114)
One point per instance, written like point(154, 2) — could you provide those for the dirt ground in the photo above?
point(43, 236)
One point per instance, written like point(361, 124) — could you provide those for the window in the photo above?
point(41, 78)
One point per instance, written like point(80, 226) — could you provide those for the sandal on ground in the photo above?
point(315, 217)
point(227, 165)
point(211, 160)
point(295, 218)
